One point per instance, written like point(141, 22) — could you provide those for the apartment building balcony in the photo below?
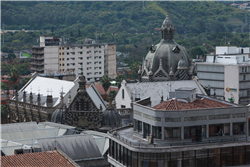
point(38, 57)
point(37, 63)
point(39, 52)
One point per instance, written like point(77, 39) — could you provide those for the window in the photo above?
point(123, 93)
point(67, 53)
point(60, 64)
point(67, 48)
point(67, 58)
point(63, 64)
point(244, 58)
point(245, 69)
point(100, 46)
point(62, 47)
point(80, 58)
point(67, 64)
point(100, 62)
point(244, 77)
point(100, 72)
point(62, 53)
point(122, 106)
point(59, 48)
point(73, 64)
point(72, 58)
point(59, 53)
point(80, 52)
point(99, 51)
point(100, 57)
point(100, 67)
point(62, 58)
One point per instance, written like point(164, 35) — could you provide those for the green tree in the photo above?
point(25, 81)
point(119, 79)
point(112, 94)
point(134, 68)
point(106, 83)
point(4, 112)
point(14, 76)
point(11, 56)
point(4, 86)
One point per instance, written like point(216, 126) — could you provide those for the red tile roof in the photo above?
point(43, 159)
point(175, 104)
point(101, 90)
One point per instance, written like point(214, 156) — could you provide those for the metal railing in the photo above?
point(184, 143)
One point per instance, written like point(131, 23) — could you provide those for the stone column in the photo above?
point(231, 129)
point(151, 130)
point(142, 128)
point(179, 163)
point(162, 133)
point(207, 131)
point(182, 132)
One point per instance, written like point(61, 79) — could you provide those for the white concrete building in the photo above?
point(51, 58)
point(227, 73)
point(157, 91)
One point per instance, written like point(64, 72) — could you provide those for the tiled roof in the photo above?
point(175, 104)
point(44, 159)
point(101, 90)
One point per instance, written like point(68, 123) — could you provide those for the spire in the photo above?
point(167, 29)
point(82, 83)
point(31, 98)
point(24, 96)
point(39, 97)
point(61, 106)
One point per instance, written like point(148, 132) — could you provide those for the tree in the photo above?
point(112, 94)
point(3, 86)
point(106, 83)
point(14, 76)
point(25, 81)
point(134, 68)
point(4, 111)
point(11, 56)
point(119, 79)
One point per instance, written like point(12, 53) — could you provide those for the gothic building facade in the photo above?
point(167, 60)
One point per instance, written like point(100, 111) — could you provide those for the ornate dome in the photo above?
point(111, 117)
point(165, 55)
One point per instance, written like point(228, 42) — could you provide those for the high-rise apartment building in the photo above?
point(95, 60)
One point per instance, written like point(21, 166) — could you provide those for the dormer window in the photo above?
point(176, 49)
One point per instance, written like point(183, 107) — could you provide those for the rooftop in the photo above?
point(44, 159)
point(199, 103)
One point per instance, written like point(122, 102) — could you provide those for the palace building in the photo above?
point(167, 60)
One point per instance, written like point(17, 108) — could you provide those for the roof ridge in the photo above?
point(168, 104)
point(175, 101)
point(66, 157)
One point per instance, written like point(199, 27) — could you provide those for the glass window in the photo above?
point(173, 133)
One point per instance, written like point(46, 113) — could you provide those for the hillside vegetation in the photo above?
point(131, 25)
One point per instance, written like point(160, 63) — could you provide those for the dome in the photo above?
point(111, 117)
point(57, 116)
point(166, 50)
point(182, 65)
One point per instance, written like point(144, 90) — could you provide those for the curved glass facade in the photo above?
point(216, 157)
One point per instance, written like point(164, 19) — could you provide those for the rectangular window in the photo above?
point(67, 64)
point(123, 93)
point(62, 53)
point(67, 58)
point(67, 53)
point(67, 48)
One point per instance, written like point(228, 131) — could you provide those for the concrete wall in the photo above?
point(231, 79)
point(126, 101)
point(110, 60)
point(51, 58)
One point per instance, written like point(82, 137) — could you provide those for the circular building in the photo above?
point(167, 60)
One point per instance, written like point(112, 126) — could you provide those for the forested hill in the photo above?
point(118, 16)
point(131, 25)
